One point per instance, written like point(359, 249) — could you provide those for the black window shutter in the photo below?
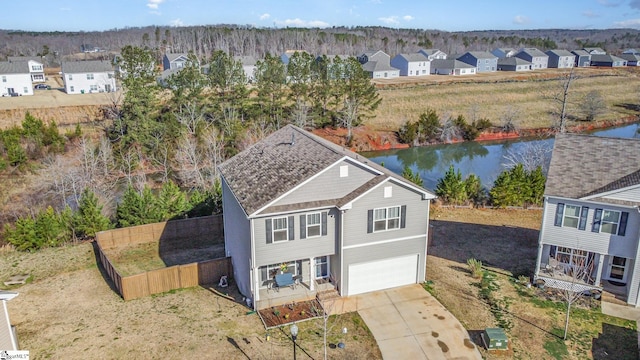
point(403, 216)
point(559, 212)
point(623, 223)
point(370, 221)
point(597, 216)
point(290, 224)
point(583, 218)
point(324, 224)
point(303, 226)
point(267, 225)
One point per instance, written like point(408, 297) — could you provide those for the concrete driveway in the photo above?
point(408, 323)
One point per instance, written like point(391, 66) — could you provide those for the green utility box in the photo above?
point(495, 339)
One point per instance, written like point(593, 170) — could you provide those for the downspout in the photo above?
point(540, 237)
point(254, 287)
point(342, 212)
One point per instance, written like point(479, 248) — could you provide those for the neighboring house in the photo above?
point(36, 66)
point(296, 203)
point(561, 59)
point(174, 61)
point(607, 61)
point(88, 48)
point(8, 337)
point(583, 58)
point(286, 56)
point(537, 58)
point(631, 59)
point(331, 65)
point(248, 65)
point(595, 51)
point(482, 60)
point(631, 51)
point(591, 217)
point(451, 67)
point(513, 64)
point(378, 65)
point(411, 64)
point(15, 78)
point(433, 54)
point(83, 77)
point(502, 53)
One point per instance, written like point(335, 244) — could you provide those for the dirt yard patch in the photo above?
point(290, 313)
point(139, 258)
point(68, 310)
point(506, 242)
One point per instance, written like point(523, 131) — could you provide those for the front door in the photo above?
point(107, 88)
point(617, 269)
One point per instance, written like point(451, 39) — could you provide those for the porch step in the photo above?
point(327, 295)
point(613, 298)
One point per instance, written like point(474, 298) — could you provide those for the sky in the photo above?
point(456, 15)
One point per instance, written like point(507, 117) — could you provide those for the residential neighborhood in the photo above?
point(270, 194)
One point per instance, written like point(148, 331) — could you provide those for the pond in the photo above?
point(484, 159)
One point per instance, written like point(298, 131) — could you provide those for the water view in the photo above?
point(485, 159)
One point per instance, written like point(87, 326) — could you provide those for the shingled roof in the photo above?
point(275, 165)
point(75, 67)
point(583, 166)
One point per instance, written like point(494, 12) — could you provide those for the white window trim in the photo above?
point(319, 225)
point(387, 218)
point(564, 214)
point(315, 267)
point(90, 77)
point(274, 230)
point(602, 222)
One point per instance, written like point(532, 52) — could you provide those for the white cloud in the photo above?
point(590, 14)
point(408, 18)
point(391, 20)
point(520, 20)
point(302, 23)
point(614, 3)
point(176, 23)
point(631, 23)
point(264, 16)
point(153, 4)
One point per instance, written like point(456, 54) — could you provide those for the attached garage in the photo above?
point(383, 274)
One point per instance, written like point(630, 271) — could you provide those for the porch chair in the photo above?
point(285, 279)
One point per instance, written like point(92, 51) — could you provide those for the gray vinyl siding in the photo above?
point(602, 243)
point(385, 251)
point(297, 249)
point(329, 184)
point(237, 240)
point(355, 227)
point(632, 195)
point(633, 282)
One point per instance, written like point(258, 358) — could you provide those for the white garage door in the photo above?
point(383, 274)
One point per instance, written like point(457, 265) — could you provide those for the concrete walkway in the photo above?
point(621, 311)
point(408, 323)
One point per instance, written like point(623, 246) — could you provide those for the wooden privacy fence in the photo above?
point(169, 235)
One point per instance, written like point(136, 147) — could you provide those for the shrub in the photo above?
point(451, 188)
point(475, 266)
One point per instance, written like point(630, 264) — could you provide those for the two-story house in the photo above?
point(513, 64)
point(36, 66)
point(483, 61)
point(583, 58)
point(296, 203)
point(378, 65)
point(591, 221)
point(248, 66)
point(15, 79)
point(433, 54)
point(174, 61)
point(537, 58)
point(412, 64)
point(503, 53)
point(92, 76)
point(561, 59)
point(607, 60)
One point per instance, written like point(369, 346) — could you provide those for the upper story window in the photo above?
point(70, 77)
point(610, 221)
point(571, 216)
point(4, 78)
point(314, 224)
point(386, 218)
point(36, 68)
point(89, 76)
point(280, 229)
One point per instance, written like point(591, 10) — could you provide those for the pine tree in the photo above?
point(23, 234)
point(451, 188)
point(414, 177)
point(536, 185)
point(172, 201)
point(88, 220)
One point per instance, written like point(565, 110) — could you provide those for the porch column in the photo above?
point(256, 279)
point(311, 274)
point(599, 271)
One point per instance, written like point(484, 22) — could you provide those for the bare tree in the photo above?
point(531, 155)
point(448, 129)
point(508, 118)
point(561, 98)
point(593, 105)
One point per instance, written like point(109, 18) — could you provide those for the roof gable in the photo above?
point(584, 166)
point(72, 67)
point(20, 67)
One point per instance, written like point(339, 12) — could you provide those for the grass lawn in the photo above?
point(491, 95)
point(506, 242)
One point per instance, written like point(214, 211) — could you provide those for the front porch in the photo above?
point(273, 296)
